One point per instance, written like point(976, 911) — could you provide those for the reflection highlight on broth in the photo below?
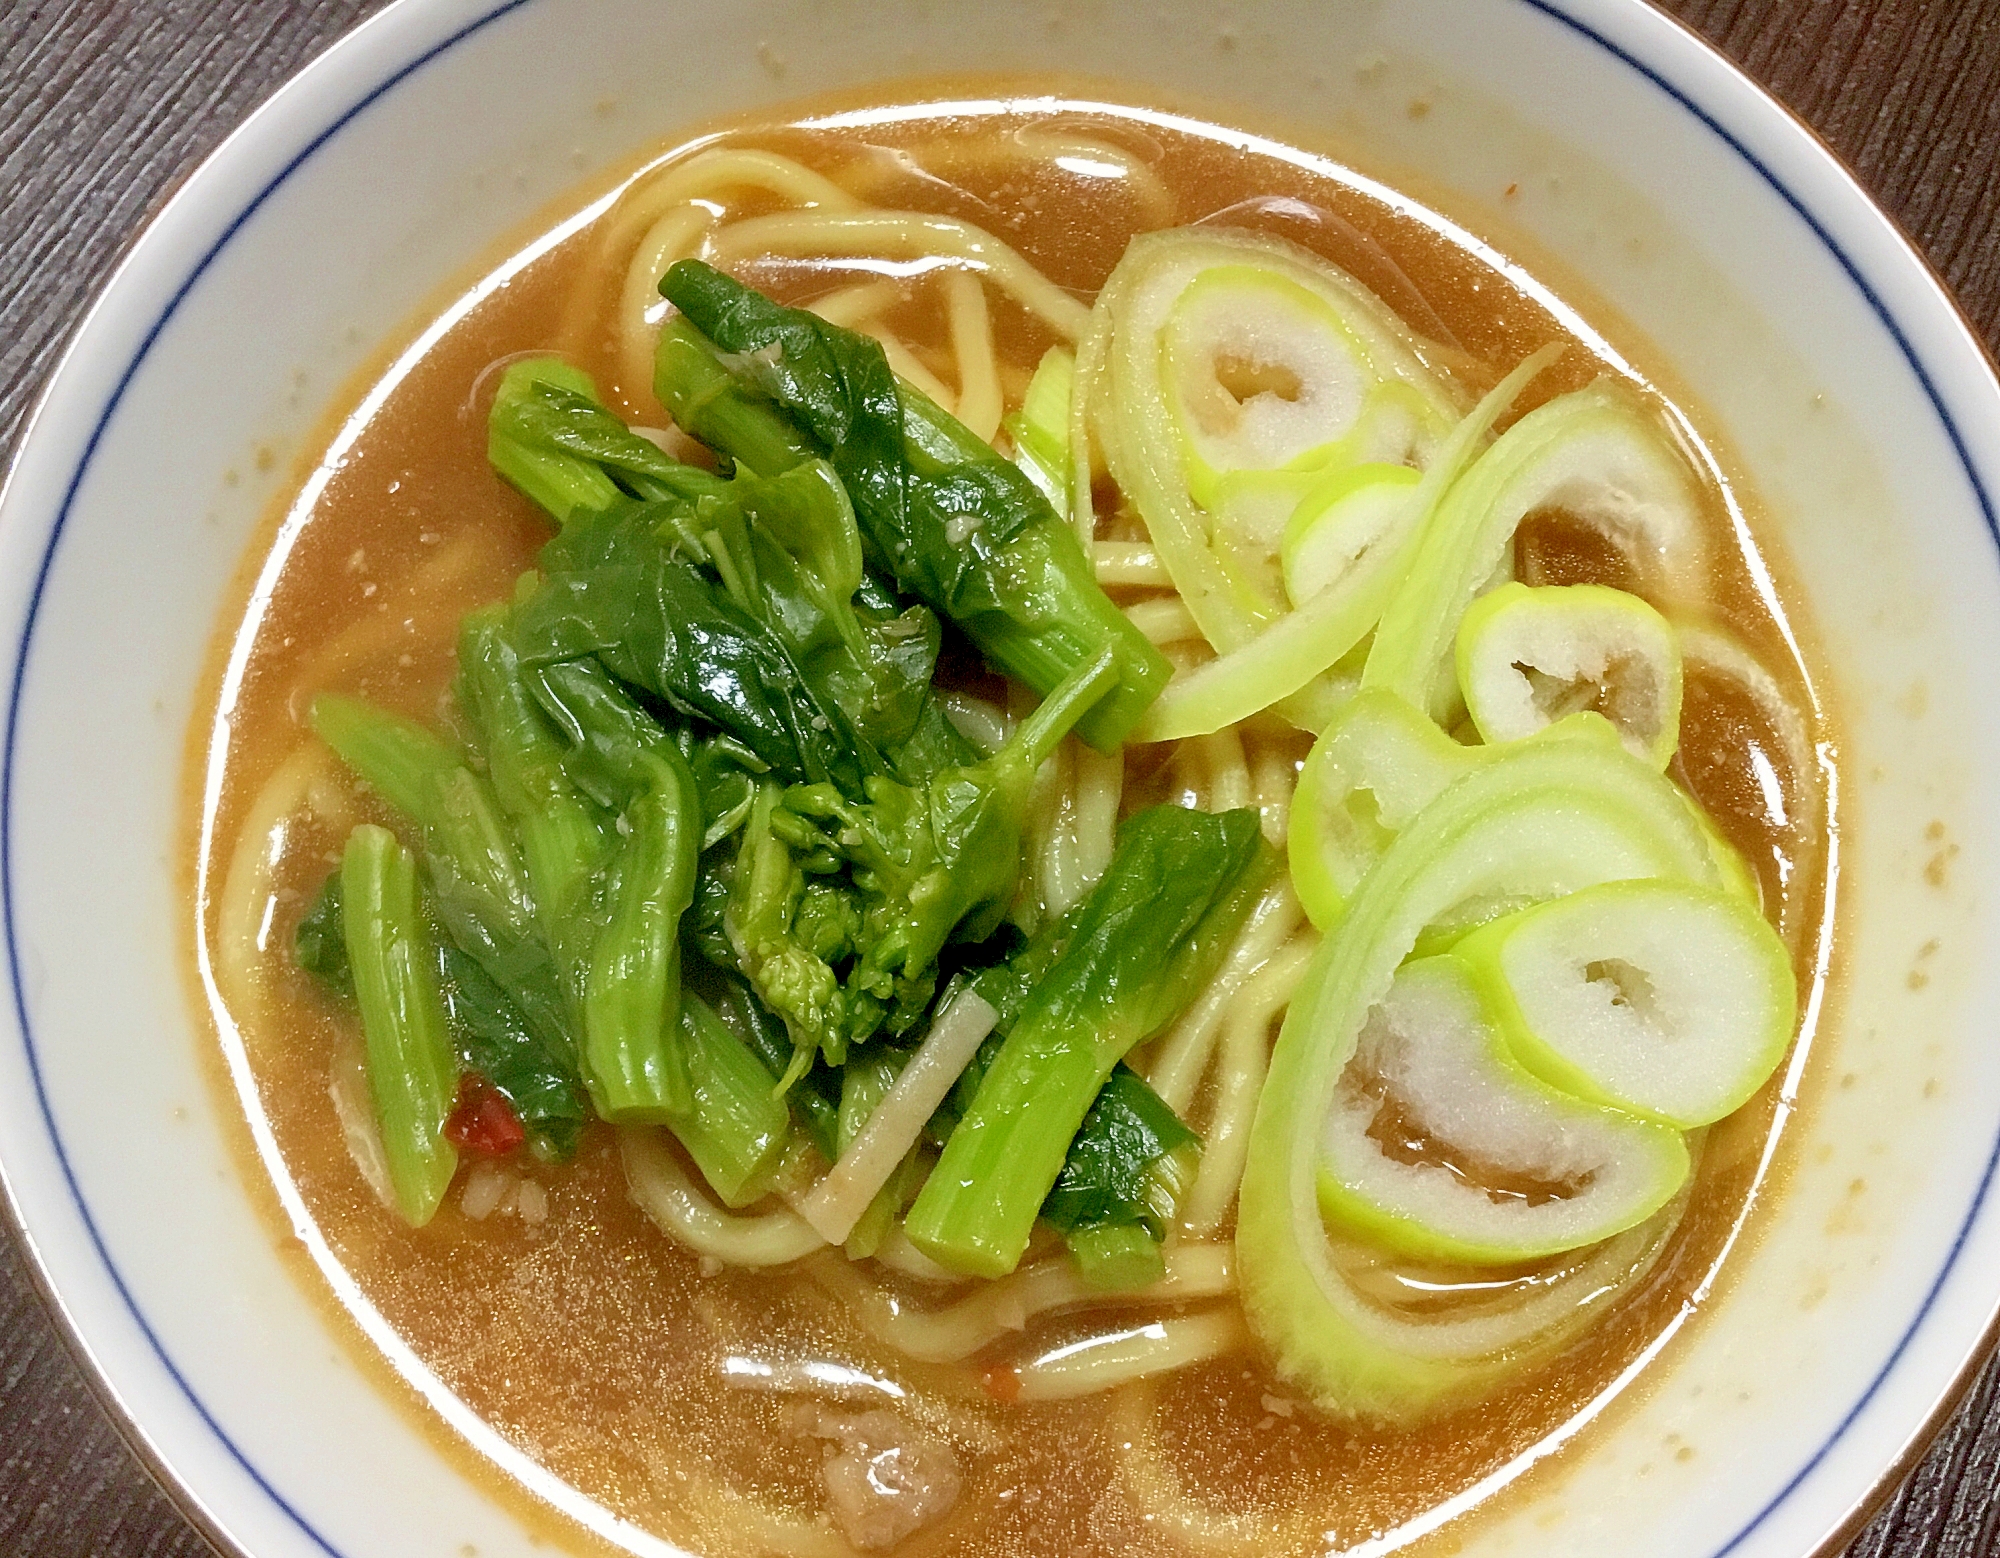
point(1015, 827)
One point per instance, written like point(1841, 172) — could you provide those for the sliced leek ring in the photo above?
point(1532, 1171)
point(1258, 514)
point(1338, 519)
point(1249, 512)
point(1671, 1001)
point(1546, 818)
point(1286, 665)
point(1596, 453)
point(1162, 336)
point(1528, 657)
point(1377, 764)
point(1259, 372)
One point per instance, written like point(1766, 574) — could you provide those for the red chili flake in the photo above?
point(482, 1120)
point(1003, 1383)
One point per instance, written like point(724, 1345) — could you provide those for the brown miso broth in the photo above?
point(671, 1390)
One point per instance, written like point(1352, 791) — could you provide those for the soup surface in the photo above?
point(716, 1405)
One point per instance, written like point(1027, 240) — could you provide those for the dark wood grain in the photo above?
point(105, 106)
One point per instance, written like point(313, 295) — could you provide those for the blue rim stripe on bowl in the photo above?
point(111, 405)
point(7, 906)
point(1888, 319)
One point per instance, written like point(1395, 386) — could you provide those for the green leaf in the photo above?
point(550, 436)
point(955, 524)
point(320, 943)
point(1108, 1174)
point(619, 589)
point(1179, 885)
point(494, 1039)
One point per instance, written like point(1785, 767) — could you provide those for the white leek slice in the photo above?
point(1338, 519)
point(1278, 664)
point(1547, 818)
point(1594, 453)
point(1255, 511)
point(1528, 657)
point(1041, 428)
point(1133, 383)
point(1377, 764)
point(1669, 1001)
point(1518, 1170)
point(1249, 512)
point(1259, 371)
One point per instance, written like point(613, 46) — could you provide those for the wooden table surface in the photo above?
point(106, 104)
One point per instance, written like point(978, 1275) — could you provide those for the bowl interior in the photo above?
point(1594, 138)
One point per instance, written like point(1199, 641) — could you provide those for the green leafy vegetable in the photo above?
point(620, 589)
point(550, 435)
point(711, 403)
point(631, 1052)
point(1150, 932)
point(1130, 1162)
point(412, 1073)
point(814, 1097)
point(479, 887)
point(746, 605)
point(956, 525)
point(1116, 1170)
point(320, 943)
point(426, 779)
point(494, 1040)
point(1116, 1257)
point(815, 669)
point(488, 1032)
point(788, 551)
point(838, 910)
point(564, 835)
point(735, 1128)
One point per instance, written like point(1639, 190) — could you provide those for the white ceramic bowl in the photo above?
point(1784, 303)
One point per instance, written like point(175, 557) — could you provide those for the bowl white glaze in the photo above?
point(1788, 308)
